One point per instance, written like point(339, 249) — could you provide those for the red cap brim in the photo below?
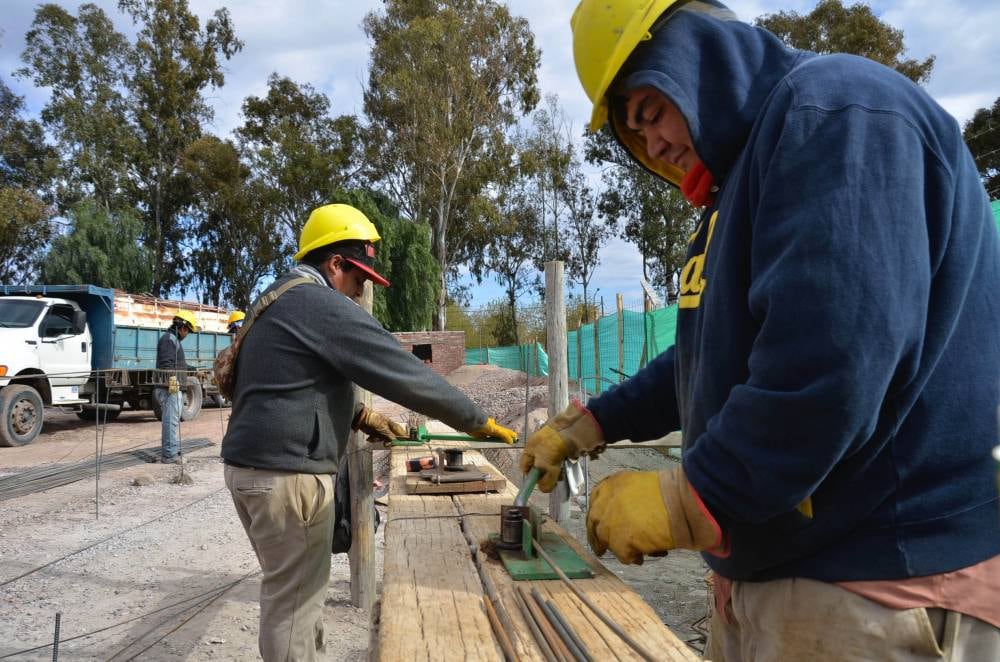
point(373, 275)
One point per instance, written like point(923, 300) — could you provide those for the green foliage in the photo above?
point(585, 235)
point(300, 154)
point(124, 113)
point(26, 169)
point(24, 229)
point(650, 213)
point(82, 60)
point(103, 249)
point(236, 245)
point(403, 256)
point(982, 135)
point(834, 28)
point(445, 82)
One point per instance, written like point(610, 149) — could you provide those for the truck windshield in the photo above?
point(19, 314)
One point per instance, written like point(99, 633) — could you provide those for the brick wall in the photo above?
point(445, 349)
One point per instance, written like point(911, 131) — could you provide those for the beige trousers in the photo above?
point(289, 520)
point(803, 619)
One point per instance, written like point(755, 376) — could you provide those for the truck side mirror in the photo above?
point(79, 322)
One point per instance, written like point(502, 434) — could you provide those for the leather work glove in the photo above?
point(173, 386)
point(636, 513)
point(493, 430)
point(567, 435)
point(378, 427)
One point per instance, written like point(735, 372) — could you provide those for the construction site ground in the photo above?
point(150, 579)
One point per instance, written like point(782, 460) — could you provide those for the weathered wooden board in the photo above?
point(431, 592)
point(428, 565)
point(417, 485)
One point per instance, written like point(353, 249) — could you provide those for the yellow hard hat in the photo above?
point(605, 32)
point(188, 317)
point(332, 223)
point(236, 316)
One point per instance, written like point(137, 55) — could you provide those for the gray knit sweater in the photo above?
point(294, 400)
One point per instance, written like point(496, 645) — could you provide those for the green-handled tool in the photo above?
point(527, 487)
point(419, 436)
point(520, 525)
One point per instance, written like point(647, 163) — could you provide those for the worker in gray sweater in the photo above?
point(294, 410)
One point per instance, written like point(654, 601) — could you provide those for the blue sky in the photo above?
point(321, 42)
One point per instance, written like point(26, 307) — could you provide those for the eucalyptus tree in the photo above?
point(585, 233)
point(124, 112)
point(982, 135)
point(297, 150)
point(446, 80)
point(643, 209)
point(832, 27)
point(26, 170)
point(233, 247)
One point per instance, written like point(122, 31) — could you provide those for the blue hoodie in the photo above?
point(838, 336)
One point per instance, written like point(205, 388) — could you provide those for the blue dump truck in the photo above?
point(92, 350)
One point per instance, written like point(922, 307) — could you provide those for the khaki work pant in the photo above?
point(289, 520)
point(804, 619)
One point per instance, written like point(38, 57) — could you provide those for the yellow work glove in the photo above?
point(493, 430)
point(567, 435)
point(173, 386)
point(378, 427)
point(636, 513)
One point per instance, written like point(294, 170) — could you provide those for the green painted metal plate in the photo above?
point(525, 569)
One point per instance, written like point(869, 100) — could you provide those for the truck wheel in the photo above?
point(91, 415)
point(21, 411)
point(191, 398)
point(219, 401)
point(191, 404)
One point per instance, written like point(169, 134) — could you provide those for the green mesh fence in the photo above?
point(513, 357)
point(623, 346)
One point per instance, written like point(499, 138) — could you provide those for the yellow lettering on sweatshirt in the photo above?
point(692, 279)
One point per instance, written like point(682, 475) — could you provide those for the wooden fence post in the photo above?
point(621, 337)
point(362, 554)
point(555, 336)
point(598, 387)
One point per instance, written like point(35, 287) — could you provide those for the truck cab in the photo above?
point(46, 360)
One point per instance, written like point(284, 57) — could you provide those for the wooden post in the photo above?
point(621, 337)
point(597, 355)
point(579, 359)
point(647, 308)
point(362, 554)
point(555, 336)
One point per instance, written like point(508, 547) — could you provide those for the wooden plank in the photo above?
point(415, 484)
point(620, 602)
point(431, 591)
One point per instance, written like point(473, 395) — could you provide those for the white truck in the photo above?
point(92, 351)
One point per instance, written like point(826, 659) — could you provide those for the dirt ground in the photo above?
point(166, 573)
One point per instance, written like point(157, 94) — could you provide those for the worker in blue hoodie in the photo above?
point(836, 372)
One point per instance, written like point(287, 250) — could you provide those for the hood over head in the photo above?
point(716, 70)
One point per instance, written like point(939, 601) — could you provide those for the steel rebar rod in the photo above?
point(624, 636)
point(558, 627)
point(569, 630)
point(543, 644)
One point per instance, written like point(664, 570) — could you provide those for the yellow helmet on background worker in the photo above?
point(188, 318)
point(332, 223)
point(236, 316)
